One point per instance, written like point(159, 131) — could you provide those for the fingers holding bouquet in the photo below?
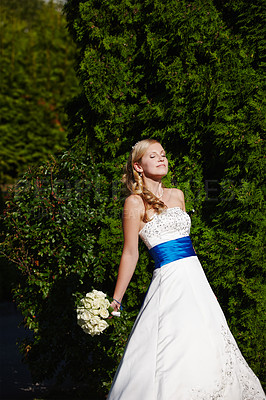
point(117, 306)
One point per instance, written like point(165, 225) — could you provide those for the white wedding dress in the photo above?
point(180, 347)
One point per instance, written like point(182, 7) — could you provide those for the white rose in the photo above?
point(103, 303)
point(98, 303)
point(88, 328)
point(86, 315)
point(107, 303)
point(98, 293)
point(95, 320)
point(104, 313)
point(100, 327)
point(84, 318)
point(91, 295)
point(95, 311)
point(87, 302)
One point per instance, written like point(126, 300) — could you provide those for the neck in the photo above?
point(154, 187)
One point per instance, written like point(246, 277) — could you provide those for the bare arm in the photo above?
point(133, 210)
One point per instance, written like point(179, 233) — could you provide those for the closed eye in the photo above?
point(161, 155)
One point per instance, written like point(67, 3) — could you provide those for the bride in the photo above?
point(180, 347)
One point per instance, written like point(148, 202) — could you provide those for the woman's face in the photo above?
point(154, 163)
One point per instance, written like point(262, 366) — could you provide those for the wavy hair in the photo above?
point(134, 181)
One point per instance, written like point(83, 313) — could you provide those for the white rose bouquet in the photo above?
point(93, 312)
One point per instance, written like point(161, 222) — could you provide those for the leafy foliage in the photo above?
point(57, 220)
point(37, 79)
point(189, 75)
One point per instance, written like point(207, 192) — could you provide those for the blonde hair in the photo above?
point(134, 182)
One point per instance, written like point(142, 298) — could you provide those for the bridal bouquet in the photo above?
point(93, 311)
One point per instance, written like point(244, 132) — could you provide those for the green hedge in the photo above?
point(37, 80)
point(64, 234)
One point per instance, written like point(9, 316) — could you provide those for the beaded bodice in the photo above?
point(171, 224)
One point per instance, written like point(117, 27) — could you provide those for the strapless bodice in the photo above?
point(173, 223)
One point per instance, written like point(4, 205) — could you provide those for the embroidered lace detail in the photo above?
point(172, 221)
point(236, 371)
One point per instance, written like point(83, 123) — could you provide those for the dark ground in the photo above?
point(15, 379)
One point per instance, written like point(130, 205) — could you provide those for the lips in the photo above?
point(161, 165)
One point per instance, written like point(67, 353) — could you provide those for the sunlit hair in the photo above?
point(134, 182)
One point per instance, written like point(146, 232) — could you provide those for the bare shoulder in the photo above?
point(179, 195)
point(175, 198)
point(175, 194)
point(134, 206)
point(134, 200)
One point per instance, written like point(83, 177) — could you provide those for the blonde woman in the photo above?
point(180, 347)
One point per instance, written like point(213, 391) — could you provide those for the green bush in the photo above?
point(64, 234)
point(190, 75)
point(37, 80)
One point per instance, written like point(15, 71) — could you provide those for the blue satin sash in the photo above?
point(172, 250)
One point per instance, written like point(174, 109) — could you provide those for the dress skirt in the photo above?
point(180, 347)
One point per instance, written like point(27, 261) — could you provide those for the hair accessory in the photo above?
point(133, 147)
